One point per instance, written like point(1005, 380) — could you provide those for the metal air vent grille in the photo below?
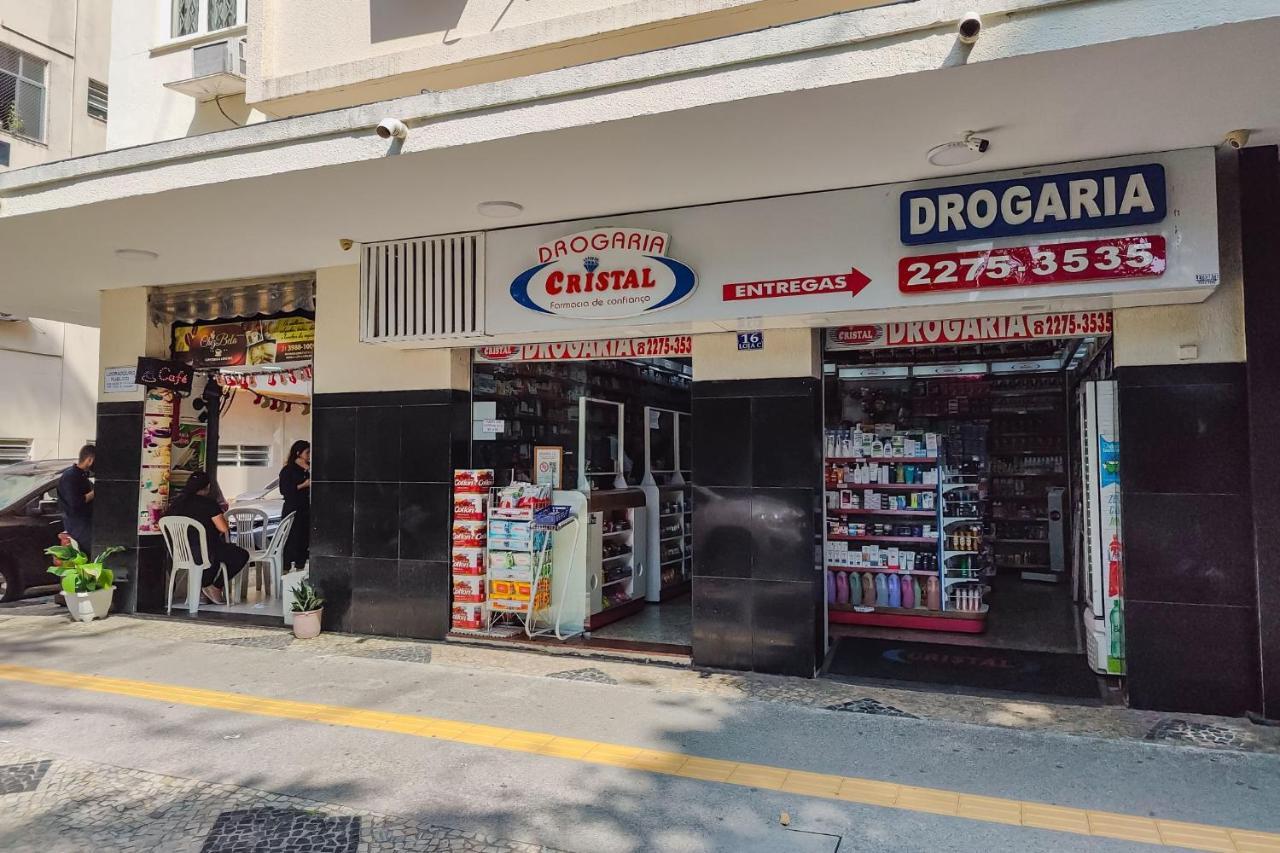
point(422, 289)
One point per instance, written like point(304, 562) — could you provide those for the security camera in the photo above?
point(977, 144)
point(1237, 139)
point(393, 128)
point(346, 243)
point(969, 27)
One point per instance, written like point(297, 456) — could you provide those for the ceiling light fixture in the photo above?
point(499, 209)
point(137, 254)
point(966, 150)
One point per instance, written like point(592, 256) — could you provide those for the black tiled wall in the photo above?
point(1260, 223)
point(1190, 595)
point(382, 472)
point(115, 503)
point(757, 473)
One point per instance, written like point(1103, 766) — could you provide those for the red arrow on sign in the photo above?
point(853, 282)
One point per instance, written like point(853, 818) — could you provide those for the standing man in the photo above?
point(75, 500)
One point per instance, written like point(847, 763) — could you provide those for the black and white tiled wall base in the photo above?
point(382, 469)
point(757, 473)
point(1190, 598)
point(117, 467)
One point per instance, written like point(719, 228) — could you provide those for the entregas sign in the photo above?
point(1073, 201)
point(604, 274)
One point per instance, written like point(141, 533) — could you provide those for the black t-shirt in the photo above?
point(295, 499)
point(73, 485)
point(201, 509)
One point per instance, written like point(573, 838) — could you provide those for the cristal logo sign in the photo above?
point(499, 353)
point(857, 334)
point(603, 274)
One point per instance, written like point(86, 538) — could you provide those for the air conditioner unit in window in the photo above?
point(217, 69)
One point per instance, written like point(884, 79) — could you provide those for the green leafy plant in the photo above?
point(13, 120)
point(306, 598)
point(78, 573)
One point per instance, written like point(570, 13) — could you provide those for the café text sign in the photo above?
point(604, 274)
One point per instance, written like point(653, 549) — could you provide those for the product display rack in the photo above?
point(616, 573)
point(946, 594)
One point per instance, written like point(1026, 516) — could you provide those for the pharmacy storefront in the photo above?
point(876, 432)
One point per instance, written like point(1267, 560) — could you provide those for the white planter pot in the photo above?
point(307, 625)
point(87, 606)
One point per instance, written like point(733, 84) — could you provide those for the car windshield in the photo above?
point(15, 485)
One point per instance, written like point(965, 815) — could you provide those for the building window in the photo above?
point(22, 93)
point(190, 17)
point(15, 450)
point(98, 100)
point(244, 455)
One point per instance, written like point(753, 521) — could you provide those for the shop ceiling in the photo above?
point(1140, 95)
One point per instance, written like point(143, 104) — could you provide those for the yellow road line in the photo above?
point(845, 788)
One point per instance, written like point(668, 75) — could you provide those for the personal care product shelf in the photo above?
point(886, 487)
point(912, 513)
point(887, 460)
point(915, 573)
point(893, 540)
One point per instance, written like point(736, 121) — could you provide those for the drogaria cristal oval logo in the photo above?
point(603, 274)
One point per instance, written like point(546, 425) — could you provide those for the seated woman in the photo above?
point(196, 503)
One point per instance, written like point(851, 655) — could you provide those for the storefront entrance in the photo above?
point(963, 507)
point(606, 428)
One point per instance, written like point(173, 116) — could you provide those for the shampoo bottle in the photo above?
point(842, 587)
point(932, 594)
point(908, 591)
point(831, 587)
point(894, 590)
point(868, 590)
point(882, 591)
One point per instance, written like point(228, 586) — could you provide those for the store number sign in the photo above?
point(1020, 266)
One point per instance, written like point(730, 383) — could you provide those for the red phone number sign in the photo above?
point(1019, 266)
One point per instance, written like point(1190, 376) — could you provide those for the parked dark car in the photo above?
point(29, 523)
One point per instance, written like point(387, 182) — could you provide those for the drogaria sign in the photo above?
point(604, 274)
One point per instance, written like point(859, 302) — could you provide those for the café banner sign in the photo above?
point(246, 343)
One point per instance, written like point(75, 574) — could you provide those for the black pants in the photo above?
point(297, 548)
point(232, 556)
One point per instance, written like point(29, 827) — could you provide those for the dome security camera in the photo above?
point(393, 128)
point(977, 144)
point(969, 28)
point(1237, 139)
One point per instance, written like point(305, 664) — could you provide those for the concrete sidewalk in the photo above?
point(577, 807)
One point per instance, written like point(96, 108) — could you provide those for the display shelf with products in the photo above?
point(616, 563)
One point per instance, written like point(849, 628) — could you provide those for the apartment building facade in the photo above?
point(54, 58)
point(998, 186)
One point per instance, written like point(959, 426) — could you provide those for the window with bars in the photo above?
point(98, 100)
point(244, 455)
point(15, 450)
point(22, 93)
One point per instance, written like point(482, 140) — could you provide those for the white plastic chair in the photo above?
point(176, 530)
point(272, 557)
point(249, 531)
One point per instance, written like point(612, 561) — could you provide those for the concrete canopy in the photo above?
point(276, 198)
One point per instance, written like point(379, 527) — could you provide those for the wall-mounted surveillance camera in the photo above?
point(1237, 139)
point(969, 28)
point(977, 144)
point(393, 128)
point(346, 243)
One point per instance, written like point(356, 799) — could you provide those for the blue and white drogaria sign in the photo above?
point(1121, 197)
point(603, 274)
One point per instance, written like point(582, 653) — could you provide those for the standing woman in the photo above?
point(295, 485)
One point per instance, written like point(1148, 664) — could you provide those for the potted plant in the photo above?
point(87, 586)
point(308, 607)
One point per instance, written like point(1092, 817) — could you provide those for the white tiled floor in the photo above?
point(670, 622)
